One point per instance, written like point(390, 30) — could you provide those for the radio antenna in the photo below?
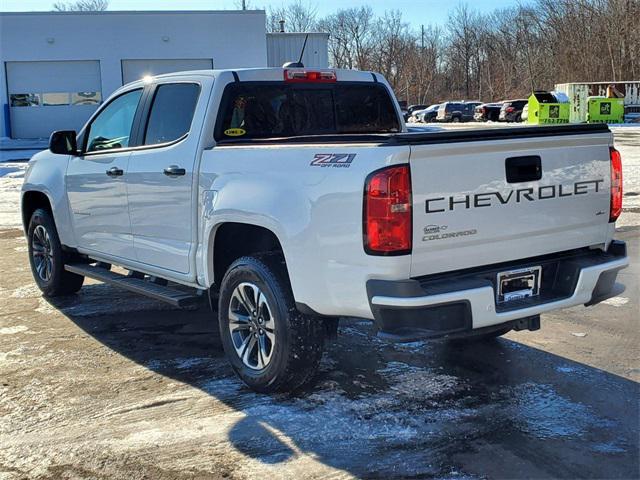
point(299, 63)
point(304, 45)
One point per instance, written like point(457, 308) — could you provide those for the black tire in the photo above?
point(299, 339)
point(455, 119)
point(53, 279)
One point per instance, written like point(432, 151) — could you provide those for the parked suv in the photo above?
point(487, 112)
point(457, 111)
point(512, 110)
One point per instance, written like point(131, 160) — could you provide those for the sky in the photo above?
point(416, 12)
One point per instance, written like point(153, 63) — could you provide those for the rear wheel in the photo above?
point(47, 258)
point(455, 119)
point(270, 345)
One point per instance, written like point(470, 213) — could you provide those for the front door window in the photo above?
point(111, 129)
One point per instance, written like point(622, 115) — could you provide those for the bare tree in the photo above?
point(297, 15)
point(81, 6)
point(351, 42)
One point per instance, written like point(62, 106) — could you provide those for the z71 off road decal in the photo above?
point(335, 160)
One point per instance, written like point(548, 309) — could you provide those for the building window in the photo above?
point(55, 99)
point(86, 98)
point(52, 99)
point(25, 99)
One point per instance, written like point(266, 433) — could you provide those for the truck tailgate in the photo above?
point(478, 202)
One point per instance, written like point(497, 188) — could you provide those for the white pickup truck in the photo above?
point(292, 197)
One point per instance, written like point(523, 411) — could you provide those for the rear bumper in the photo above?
point(464, 302)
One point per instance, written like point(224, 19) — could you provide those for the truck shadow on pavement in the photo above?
point(493, 409)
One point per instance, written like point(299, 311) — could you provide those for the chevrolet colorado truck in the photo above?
point(291, 197)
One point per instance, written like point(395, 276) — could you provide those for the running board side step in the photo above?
point(170, 295)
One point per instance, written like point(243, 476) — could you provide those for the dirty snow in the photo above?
point(11, 178)
point(13, 330)
point(616, 301)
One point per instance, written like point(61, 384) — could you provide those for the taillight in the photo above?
point(616, 185)
point(510, 109)
point(387, 212)
point(299, 76)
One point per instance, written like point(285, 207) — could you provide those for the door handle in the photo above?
point(523, 169)
point(174, 171)
point(115, 172)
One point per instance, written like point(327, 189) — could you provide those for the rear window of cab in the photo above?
point(260, 110)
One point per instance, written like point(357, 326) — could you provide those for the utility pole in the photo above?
point(244, 4)
point(422, 37)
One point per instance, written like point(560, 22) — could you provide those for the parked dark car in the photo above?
point(487, 112)
point(457, 111)
point(411, 109)
point(512, 110)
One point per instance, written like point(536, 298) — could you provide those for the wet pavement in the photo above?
point(94, 387)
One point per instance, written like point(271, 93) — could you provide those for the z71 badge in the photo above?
point(335, 160)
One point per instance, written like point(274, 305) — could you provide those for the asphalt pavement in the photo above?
point(105, 384)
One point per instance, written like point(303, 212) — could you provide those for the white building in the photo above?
point(57, 67)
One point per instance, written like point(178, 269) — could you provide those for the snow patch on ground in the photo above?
point(180, 363)
point(27, 291)
point(11, 178)
point(616, 301)
point(13, 330)
point(537, 408)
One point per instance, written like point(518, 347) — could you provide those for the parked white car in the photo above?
point(524, 117)
point(293, 197)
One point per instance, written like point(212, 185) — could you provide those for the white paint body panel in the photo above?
point(514, 230)
point(98, 204)
point(163, 209)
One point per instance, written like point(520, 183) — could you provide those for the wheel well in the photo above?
point(31, 201)
point(235, 240)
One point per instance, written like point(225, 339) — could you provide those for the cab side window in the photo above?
point(111, 129)
point(171, 112)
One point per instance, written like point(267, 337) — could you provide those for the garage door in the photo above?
point(136, 69)
point(48, 96)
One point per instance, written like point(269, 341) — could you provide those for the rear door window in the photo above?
point(171, 112)
point(268, 110)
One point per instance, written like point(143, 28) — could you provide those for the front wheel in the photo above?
point(47, 257)
point(270, 345)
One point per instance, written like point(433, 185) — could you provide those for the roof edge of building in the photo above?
point(137, 12)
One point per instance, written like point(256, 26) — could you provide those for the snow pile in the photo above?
point(11, 177)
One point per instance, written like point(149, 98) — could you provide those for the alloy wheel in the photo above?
point(252, 326)
point(42, 253)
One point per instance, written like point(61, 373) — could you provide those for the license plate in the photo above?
point(518, 284)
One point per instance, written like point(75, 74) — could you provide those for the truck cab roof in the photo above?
point(268, 74)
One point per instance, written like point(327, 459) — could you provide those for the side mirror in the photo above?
point(63, 142)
